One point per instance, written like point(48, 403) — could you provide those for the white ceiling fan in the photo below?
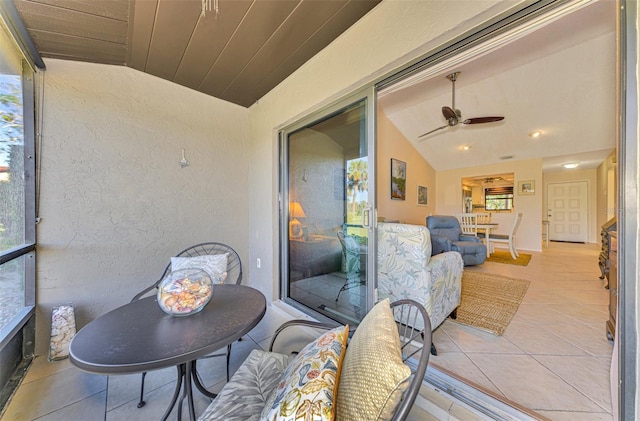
point(454, 116)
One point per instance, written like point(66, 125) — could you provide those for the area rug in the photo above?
point(505, 257)
point(489, 301)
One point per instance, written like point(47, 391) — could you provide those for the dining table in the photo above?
point(487, 226)
point(139, 337)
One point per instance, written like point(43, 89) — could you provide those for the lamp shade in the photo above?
point(296, 211)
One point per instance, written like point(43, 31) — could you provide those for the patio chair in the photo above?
point(233, 276)
point(509, 239)
point(350, 262)
point(382, 370)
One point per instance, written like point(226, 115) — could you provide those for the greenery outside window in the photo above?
point(498, 198)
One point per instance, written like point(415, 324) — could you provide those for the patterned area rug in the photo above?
point(505, 257)
point(489, 301)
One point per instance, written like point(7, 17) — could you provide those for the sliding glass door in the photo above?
point(327, 187)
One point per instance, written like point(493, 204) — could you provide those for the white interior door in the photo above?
point(568, 211)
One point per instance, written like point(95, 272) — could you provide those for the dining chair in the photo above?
point(483, 218)
point(468, 223)
point(233, 275)
point(509, 238)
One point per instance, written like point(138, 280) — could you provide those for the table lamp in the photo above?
point(295, 227)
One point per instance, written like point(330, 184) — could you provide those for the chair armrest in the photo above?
point(471, 238)
point(144, 292)
point(440, 244)
point(300, 322)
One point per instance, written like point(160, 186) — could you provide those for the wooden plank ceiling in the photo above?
point(238, 54)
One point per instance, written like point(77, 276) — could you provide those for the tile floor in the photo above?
point(554, 358)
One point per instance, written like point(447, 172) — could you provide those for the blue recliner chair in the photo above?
point(446, 235)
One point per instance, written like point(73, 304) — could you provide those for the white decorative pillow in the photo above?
point(215, 265)
point(308, 386)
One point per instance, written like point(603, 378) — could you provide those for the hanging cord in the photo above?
point(206, 7)
point(39, 126)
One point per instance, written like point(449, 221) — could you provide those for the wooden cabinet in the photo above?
point(613, 284)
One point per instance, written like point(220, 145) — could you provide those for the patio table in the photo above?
point(140, 337)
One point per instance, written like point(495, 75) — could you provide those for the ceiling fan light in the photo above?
point(535, 134)
point(571, 165)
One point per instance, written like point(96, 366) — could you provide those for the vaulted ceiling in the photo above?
point(237, 53)
point(559, 79)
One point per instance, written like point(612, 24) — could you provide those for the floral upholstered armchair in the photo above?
point(406, 269)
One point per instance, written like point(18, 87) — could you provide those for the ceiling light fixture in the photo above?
point(535, 134)
point(571, 165)
point(466, 147)
point(206, 7)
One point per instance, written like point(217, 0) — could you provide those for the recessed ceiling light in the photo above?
point(535, 134)
point(571, 165)
point(466, 147)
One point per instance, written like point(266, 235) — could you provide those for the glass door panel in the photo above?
point(327, 203)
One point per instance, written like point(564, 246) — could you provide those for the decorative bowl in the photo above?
point(184, 292)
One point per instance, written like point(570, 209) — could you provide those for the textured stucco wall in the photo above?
point(114, 201)
point(392, 34)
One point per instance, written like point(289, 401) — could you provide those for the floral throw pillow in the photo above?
point(308, 386)
point(214, 264)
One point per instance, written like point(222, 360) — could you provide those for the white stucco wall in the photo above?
point(115, 203)
point(391, 35)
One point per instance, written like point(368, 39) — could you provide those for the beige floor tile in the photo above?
point(126, 387)
point(542, 313)
point(524, 380)
point(533, 339)
point(471, 340)
point(269, 323)
point(443, 342)
point(89, 409)
point(157, 403)
point(459, 363)
point(585, 313)
point(41, 367)
point(589, 337)
point(48, 394)
point(589, 375)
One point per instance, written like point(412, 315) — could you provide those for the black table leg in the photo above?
point(198, 384)
point(188, 391)
point(181, 369)
point(186, 374)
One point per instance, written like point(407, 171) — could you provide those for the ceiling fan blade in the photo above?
point(479, 120)
point(434, 130)
point(449, 113)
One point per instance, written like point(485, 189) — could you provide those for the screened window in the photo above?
point(17, 192)
point(498, 198)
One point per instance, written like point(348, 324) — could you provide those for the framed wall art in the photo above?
point(526, 187)
point(423, 195)
point(398, 179)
